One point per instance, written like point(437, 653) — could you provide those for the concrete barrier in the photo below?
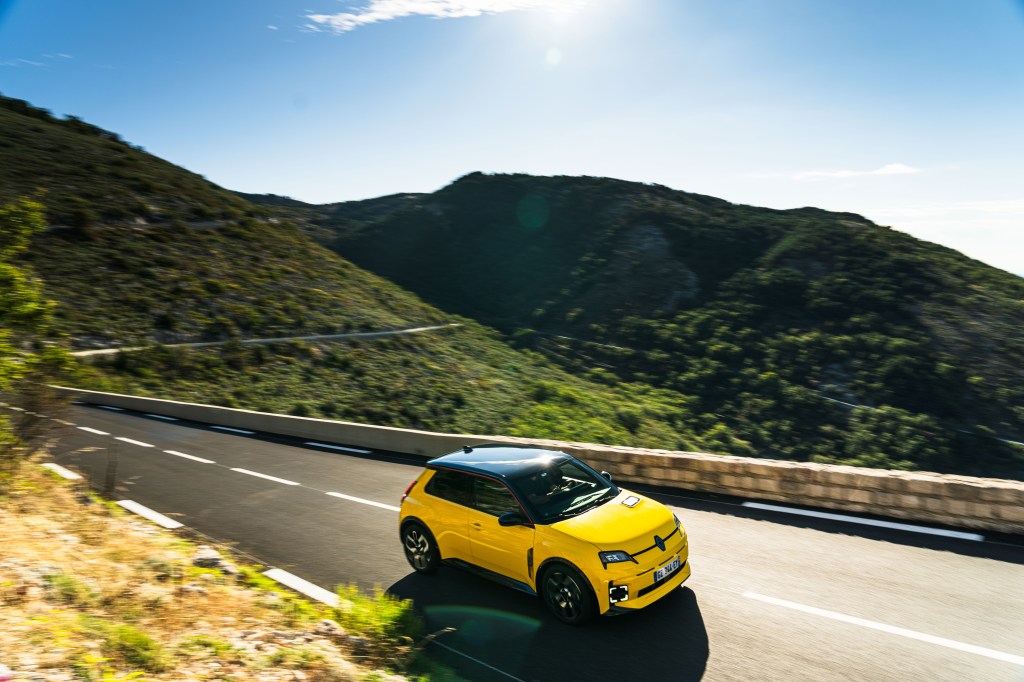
point(960, 501)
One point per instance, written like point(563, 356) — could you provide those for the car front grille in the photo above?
point(654, 546)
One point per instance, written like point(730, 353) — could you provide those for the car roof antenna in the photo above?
point(466, 448)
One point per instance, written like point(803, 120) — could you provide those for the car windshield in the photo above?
point(563, 488)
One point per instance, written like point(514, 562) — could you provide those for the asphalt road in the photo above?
point(772, 596)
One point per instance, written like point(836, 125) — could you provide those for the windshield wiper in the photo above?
point(605, 496)
point(586, 506)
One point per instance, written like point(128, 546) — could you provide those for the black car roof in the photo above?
point(502, 461)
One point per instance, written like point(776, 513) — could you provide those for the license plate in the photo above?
point(667, 570)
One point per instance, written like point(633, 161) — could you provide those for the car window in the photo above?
point(493, 497)
point(451, 485)
point(563, 488)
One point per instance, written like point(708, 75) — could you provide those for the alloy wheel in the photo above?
point(417, 548)
point(563, 594)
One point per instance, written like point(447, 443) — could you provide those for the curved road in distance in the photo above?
point(772, 597)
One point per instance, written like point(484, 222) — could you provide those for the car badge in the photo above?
point(659, 542)
point(631, 501)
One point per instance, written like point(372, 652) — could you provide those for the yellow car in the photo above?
point(544, 522)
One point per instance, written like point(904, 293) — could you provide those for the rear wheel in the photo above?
point(420, 548)
point(567, 594)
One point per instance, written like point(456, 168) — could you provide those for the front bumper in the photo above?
point(651, 593)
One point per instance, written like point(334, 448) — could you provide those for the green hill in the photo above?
point(630, 314)
point(778, 323)
point(139, 249)
point(152, 253)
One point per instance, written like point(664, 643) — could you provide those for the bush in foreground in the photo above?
point(89, 593)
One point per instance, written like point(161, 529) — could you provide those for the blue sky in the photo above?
point(908, 112)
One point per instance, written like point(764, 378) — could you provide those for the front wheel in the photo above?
point(567, 594)
point(420, 548)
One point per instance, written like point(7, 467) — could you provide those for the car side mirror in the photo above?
point(511, 519)
point(606, 475)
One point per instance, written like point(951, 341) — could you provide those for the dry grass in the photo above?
point(89, 593)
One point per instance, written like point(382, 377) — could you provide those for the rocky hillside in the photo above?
point(805, 333)
point(177, 258)
point(139, 249)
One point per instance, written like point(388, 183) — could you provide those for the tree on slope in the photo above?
point(25, 362)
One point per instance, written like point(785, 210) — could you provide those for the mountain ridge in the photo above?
point(722, 301)
point(629, 313)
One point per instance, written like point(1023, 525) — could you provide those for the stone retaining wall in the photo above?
point(960, 501)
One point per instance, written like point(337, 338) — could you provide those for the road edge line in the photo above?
point(147, 513)
point(892, 525)
point(303, 586)
point(61, 471)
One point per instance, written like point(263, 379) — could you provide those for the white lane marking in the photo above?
point(96, 431)
point(228, 428)
point(891, 629)
point(64, 473)
point(64, 422)
point(476, 660)
point(16, 409)
point(302, 586)
point(110, 407)
point(338, 447)
point(362, 501)
point(147, 513)
point(162, 416)
point(133, 442)
point(193, 457)
point(269, 478)
point(867, 522)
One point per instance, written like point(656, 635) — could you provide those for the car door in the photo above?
point(502, 549)
point(452, 492)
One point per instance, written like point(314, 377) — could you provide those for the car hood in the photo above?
point(613, 525)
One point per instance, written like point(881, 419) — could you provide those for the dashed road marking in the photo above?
point(110, 407)
point(269, 478)
point(302, 586)
point(192, 457)
point(228, 428)
point(960, 535)
point(133, 442)
point(65, 422)
point(62, 472)
point(147, 513)
point(891, 629)
point(339, 447)
point(362, 501)
point(92, 430)
point(162, 416)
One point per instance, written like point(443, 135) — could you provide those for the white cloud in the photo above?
point(272, 27)
point(385, 10)
point(49, 59)
point(888, 169)
point(21, 62)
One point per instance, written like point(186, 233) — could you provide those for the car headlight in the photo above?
point(615, 557)
point(678, 522)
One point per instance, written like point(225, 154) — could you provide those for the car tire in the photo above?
point(420, 548)
point(567, 594)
